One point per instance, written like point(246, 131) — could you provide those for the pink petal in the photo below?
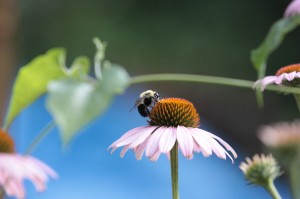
point(279, 79)
point(48, 170)
point(227, 146)
point(185, 141)
point(39, 184)
point(33, 171)
point(141, 136)
point(124, 150)
point(292, 9)
point(17, 168)
point(167, 140)
point(139, 150)
point(113, 149)
point(154, 157)
point(216, 147)
point(290, 76)
point(168, 156)
point(15, 188)
point(38, 180)
point(197, 148)
point(153, 143)
point(264, 82)
point(202, 143)
point(127, 135)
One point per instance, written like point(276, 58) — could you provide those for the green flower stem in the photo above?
point(174, 171)
point(272, 190)
point(209, 80)
point(40, 137)
point(297, 98)
point(294, 175)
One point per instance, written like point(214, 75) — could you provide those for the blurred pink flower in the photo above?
point(282, 134)
point(160, 138)
point(285, 75)
point(293, 8)
point(14, 169)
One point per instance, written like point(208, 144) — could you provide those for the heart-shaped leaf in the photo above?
point(74, 104)
point(32, 80)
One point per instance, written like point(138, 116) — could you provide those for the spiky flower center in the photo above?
point(174, 112)
point(288, 69)
point(6, 143)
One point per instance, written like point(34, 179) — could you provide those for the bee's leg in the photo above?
point(148, 112)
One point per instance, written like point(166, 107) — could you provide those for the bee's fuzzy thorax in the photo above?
point(147, 92)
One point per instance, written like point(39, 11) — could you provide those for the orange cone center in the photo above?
point(174, 112)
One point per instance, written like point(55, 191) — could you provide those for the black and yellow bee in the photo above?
point(147, 100)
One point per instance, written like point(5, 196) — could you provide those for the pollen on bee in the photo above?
point(174, 112)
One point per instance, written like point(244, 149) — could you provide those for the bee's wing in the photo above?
point(138, 101)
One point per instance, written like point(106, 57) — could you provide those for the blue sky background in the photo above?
point(87, 170)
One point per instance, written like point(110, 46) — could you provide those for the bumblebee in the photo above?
point(147, 100)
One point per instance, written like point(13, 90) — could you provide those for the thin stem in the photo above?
point(208, 80)
point(297, 98)
point(294, 175)
point(99, 57)
point(272, 190)
point(40, 137)
point(98, 71)
point(174, 171)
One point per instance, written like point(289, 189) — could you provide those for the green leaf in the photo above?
point(115, 78)
point(297, 98)
point(74, 104)
point(31, 81)
point(272, 41)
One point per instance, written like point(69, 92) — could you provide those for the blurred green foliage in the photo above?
point(32, 81)
point(198, 37)
point(154, 36)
